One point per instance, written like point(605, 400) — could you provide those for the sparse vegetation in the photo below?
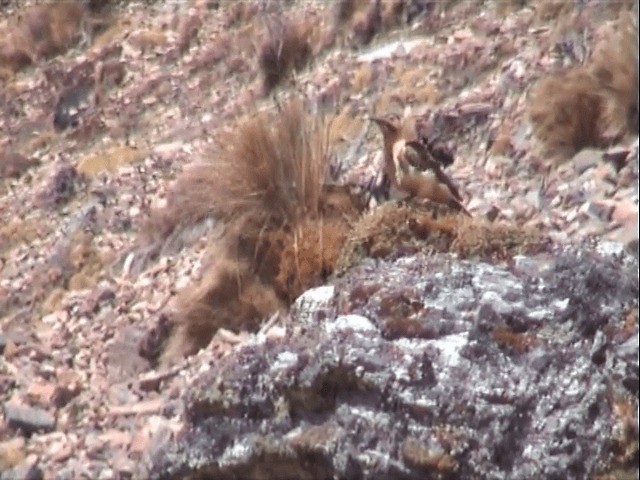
point(287, 48)
point(565, 110)
point(476, 237)
point(397, 229)
point(593, 104)
point(285, 225)
point(40, 32)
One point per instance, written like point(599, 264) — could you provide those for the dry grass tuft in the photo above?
point(76, 263)
point(230, 296)
point(40, 32)
point(392, 13)
point(311, 257)
point(415, 87)
point(387, 102)
point(285, 226)
point(345, 126)
point(515, 341)
point(506, 7)
point(366, 24)
point(241, 13)
point(288, 47)
point(359, 21)
point(398, 229)
point(189, 203)
point(18, 231)
point(275, 166)
point(361, 78)
point(276, 172)
point(553, 9)
point(476, 237)
point(565, 110)
point(594, 104)
point(424, 94)
point(346, 9)
point(615, 66)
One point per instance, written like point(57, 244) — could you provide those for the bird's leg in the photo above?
point(379, 188)
point(386, 186)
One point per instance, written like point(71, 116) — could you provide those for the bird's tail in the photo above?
point(457, 205)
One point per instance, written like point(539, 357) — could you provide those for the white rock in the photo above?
point(608, 248)
point(450, 347)
point(351, 322)
point(312, 300)
point(284, 360)
point(386, 51)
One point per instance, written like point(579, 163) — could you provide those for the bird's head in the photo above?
point(390, 125)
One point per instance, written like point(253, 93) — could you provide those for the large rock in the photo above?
point(429, 367)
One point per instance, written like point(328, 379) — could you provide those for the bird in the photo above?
point(411, 168)
point(390, 125)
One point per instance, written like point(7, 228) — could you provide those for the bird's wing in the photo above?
point(419, 156)
point(427, 162)
point(442, 153)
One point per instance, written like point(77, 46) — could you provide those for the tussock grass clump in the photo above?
point(285, 225)
point(565, 110)
point(287, 48)
point(40, 32)
point(595, 104)
point(476, 237)
point(553, 9)
point(361, 20)
point(399, 229)
point(395, 229)
point(615, 66)
point(275, 173)
point(229, 296)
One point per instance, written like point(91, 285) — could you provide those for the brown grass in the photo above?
point(288, 47)
point(615, 66)
point(505, 7)
point(476, 237)
point(397, 229)
point(311, 257)
point(346, 9)
point(591, 105)
point(421, 94)
point(241, 13)
point(285, 226)
point(414, 86)
point(41, 31)
point(361, 78)
point(345, 126)
point(562, 10)
point(18, 231)
point(75, 263)
point(500, 139)
point(229, 296)
point(565, 110)
point(553, 9)
point(257, 169)
point(359, 21)
point(391, 14)
point(366, 24)
point(515, 341)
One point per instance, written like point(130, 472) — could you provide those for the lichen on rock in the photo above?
point(428, 367)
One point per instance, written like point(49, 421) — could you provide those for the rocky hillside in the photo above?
point(200, 279)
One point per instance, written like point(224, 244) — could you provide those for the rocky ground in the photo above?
point(411, 367)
